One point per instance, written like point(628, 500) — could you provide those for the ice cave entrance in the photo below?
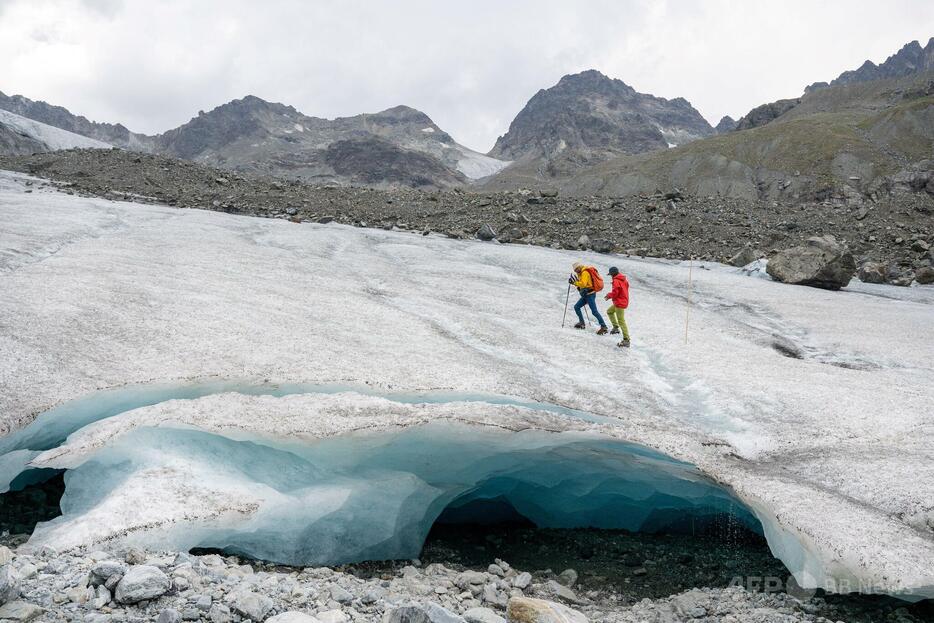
point(376, 495)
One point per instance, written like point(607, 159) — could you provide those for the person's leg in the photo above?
point(611, 313)
point(577, 309)
point(592, 302)
point(621, 315)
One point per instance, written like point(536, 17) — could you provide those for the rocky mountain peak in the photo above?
point(590, 117)
point(726, 124)
point(404, 114)
point(910, 59)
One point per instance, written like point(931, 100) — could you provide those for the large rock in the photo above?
point(252, 606)
point(140, 583)
point(527, 610)
point(745, 256)
point(602, 245)
point(872, 272)
point(898, 275)
point(105, 569)
point(486, 232)
point(9, 585)
point(925, 275)
point(822, 262)
point(418, 613)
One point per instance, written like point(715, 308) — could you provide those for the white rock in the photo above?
point(332, 616)
point(522, 580)
point(142, 582)
point(482, 615)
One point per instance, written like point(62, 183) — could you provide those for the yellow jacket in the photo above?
point(584, 280)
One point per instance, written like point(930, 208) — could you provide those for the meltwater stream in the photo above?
point(360, 496)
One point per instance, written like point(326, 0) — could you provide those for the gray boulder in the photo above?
point(486, 232)
point(140, 583)
point(602, 245)
point(871, 272)
point(898, 275)
point(417, 613)
point(105, 569)
point(821, 262)
point(744, 257)
point(925, 275)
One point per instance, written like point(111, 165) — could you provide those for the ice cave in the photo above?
point(367, 495)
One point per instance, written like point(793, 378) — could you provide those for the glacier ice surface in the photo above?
point(97, 294)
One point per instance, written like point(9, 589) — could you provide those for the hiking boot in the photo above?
point(614, 331)
point(580, 325)
point(624, 343)
point(601, 331)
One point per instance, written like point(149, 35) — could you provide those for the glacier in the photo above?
point(53, 138)
point(132, 335)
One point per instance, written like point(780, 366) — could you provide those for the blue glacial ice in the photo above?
point(374, 496)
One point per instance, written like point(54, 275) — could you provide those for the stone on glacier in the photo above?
point(140, 583)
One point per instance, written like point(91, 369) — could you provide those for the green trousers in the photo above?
point(618, 318)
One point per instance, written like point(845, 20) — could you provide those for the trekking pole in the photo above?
point(566, 299)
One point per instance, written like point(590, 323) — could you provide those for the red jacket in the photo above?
point(620, 292)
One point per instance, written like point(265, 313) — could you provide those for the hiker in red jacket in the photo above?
point(619, 294)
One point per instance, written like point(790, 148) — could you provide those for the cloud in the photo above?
point(471, 66)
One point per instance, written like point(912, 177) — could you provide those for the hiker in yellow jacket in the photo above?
point(588, 282)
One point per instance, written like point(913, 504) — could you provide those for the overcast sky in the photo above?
point(469, 64)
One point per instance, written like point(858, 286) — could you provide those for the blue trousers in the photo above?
point(589, 299)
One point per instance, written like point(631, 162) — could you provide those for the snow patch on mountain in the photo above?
point(475, 165)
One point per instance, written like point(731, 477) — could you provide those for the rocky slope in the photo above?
point(896, 230)
point(726, 124)
point(588, 117)
point(398, 146)
point(856, 141)
point(911, 60)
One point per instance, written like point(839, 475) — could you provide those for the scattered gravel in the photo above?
point(55, 587)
